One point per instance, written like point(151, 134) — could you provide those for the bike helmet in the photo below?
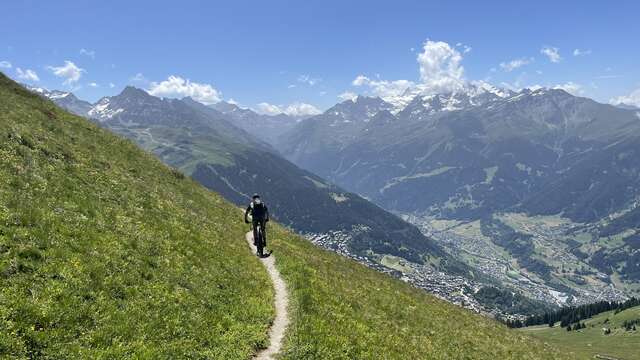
point(255, 196)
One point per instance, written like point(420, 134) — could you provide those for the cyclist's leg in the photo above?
point(260, 240)
point(254, 225)
point(264, 234)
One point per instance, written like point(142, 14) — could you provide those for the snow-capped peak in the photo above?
point(478, 87)
point(102, 110)
point(49, 94)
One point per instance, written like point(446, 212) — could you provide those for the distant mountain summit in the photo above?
point(66, 100)
point(265, 127)
point(468, 133)
point(627, 106)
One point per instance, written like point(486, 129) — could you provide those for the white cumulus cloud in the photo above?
point(69, 71)
point(294, 109)
point(631, 99)
point(386, 89)
point(553, 53)
point(177, 87)
point(570, 87)
point(301, 109)
point(347, 95)
point(440, 67)
point(514, 64)
point(5, 65)
point(27, 74)
point(268, 109)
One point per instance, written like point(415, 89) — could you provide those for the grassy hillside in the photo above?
point(106, 253)
point(343, 310)
point(590, 341)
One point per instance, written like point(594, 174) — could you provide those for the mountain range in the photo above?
point(265, 127)
point(476, 153)
point(534, 189)
point(477, 156)
point(207, 145)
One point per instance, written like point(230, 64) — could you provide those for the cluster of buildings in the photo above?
point(459, 290)
point(455, 289)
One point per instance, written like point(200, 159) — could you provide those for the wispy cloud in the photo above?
point(27, 74)
point(5, 65)
point(465, 48)
point(89, 53)
point(139, 77)
point(607, 76)
point(514, 64)
point(307, 79)
point(580, 52)
point(552, 53)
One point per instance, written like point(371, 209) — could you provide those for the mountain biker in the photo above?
point(259, 216)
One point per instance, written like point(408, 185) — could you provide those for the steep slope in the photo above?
point(346, 311)
point(590, 342)
point(107, 253)
point(207, 146)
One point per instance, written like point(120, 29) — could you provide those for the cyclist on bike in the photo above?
point(259, 216)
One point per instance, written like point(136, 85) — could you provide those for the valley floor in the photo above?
point(466, 241)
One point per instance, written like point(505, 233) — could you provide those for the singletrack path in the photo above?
point(276, 332)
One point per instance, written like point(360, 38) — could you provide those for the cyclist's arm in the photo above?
point(246, 214)
point(266, 213)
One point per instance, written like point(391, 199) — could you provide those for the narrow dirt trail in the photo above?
point(276, 332)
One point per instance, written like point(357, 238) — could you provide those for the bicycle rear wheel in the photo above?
point(260, 240)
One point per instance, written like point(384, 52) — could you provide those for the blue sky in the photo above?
point(277, 53)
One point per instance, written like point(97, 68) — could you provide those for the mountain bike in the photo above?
point(260, 240)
